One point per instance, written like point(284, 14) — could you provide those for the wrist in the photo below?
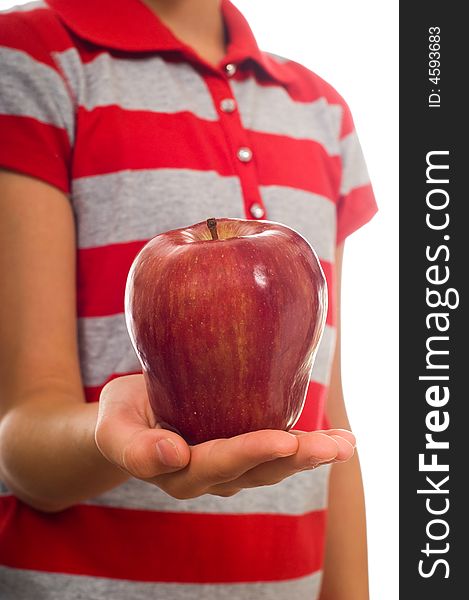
point(49, 457)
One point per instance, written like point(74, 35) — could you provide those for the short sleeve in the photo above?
point(36, 109)
point(357, 203)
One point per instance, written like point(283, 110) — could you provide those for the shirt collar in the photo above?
point(129, 25)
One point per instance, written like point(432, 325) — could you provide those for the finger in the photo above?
point(153, 452)
point(346, 450)
point(126, 396)
point(222, 460)
point(125, 438)
point(313, 449)
point(345, 439)
point(344, 433)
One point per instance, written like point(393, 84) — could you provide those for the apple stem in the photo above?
point(212, 225)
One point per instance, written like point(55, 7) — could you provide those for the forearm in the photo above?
point(346, 563)
point(48, 455)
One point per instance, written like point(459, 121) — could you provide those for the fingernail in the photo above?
point(168, 453)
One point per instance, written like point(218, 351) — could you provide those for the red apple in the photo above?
point(226, 317)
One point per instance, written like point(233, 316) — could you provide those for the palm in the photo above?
point(127, 434)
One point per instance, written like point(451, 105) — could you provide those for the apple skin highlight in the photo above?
point(226, 328)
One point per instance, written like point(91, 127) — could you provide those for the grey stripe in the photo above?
point(71, 68)
point(354, 170)
point(25, 7)
point(270, 109)
point(132, 205)
point(149, 83)
point(313, 216)
point(32, 89)
point(19, 584)
point(277, 57)
point(105, 348)
point(296, 495)
point(323, 362)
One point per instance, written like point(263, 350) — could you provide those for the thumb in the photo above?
point(127, 437)
point(144, 452)
point(153, 452)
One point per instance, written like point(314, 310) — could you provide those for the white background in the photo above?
point(353, 45)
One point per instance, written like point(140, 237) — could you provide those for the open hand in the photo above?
point(128, 436)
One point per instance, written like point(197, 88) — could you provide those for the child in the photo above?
point(120, 120)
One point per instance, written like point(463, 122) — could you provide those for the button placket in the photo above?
point(238, 142)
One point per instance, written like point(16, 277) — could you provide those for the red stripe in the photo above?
point(101, 278)
point(92, 392)
point(152, 546)
point(312, 416)
point(36, 149)
point(354, 210)
point(312, 169)
point(102, 275)
point(36, 32)
point(111, 139)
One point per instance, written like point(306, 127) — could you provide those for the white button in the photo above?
point(257, 211)
point(230, 69)
point(228, 105)
point(245, 154)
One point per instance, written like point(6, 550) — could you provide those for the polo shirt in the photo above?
point(102, 101)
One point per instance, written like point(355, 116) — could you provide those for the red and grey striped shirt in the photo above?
point(102, 101)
